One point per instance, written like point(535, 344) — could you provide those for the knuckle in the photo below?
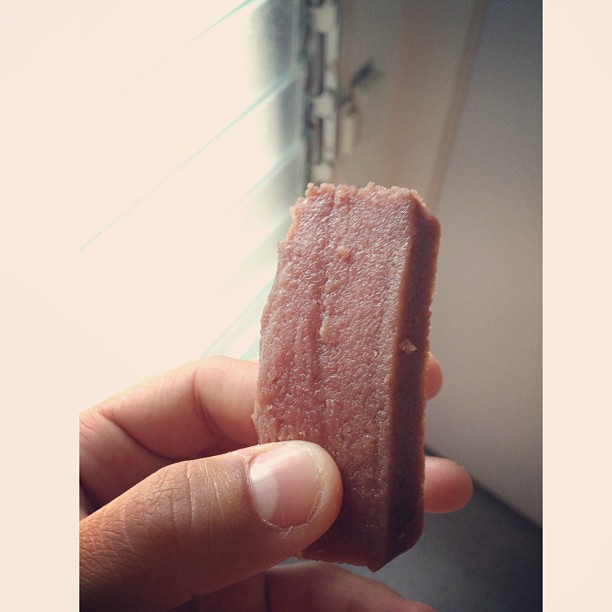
point(160, 517)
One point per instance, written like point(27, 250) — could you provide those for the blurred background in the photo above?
point(202, 124)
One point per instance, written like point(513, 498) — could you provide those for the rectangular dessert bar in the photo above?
point(344, 344)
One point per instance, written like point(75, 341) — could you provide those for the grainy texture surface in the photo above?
point(344, 343)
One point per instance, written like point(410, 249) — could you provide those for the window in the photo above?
point(195, 151)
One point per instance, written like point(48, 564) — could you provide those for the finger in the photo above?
point(322, 586)
point(201, 408)
point(433, 377)
point(197, 526)
point(303, 587)
point(448, 487)
point(180, 413)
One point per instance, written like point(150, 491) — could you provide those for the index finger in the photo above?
point(181, 413)
point(201, 408)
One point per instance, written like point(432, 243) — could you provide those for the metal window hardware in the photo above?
point(332, 117)
point(322, 88)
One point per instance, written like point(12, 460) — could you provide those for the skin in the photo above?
point(167, 517)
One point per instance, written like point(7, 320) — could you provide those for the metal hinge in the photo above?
point(322, 88)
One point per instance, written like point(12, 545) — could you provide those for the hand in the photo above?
point(170, 517)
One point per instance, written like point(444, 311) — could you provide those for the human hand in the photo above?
point(180, 509)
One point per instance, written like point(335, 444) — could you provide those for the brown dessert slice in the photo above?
point(344, 344)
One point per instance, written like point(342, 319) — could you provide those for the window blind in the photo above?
point(194, 150)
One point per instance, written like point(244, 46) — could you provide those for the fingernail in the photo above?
point(285, 484)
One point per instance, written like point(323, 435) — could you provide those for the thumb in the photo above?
point(196, 526)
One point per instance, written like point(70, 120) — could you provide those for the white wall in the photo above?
point(417, 47)
point(480, 163)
